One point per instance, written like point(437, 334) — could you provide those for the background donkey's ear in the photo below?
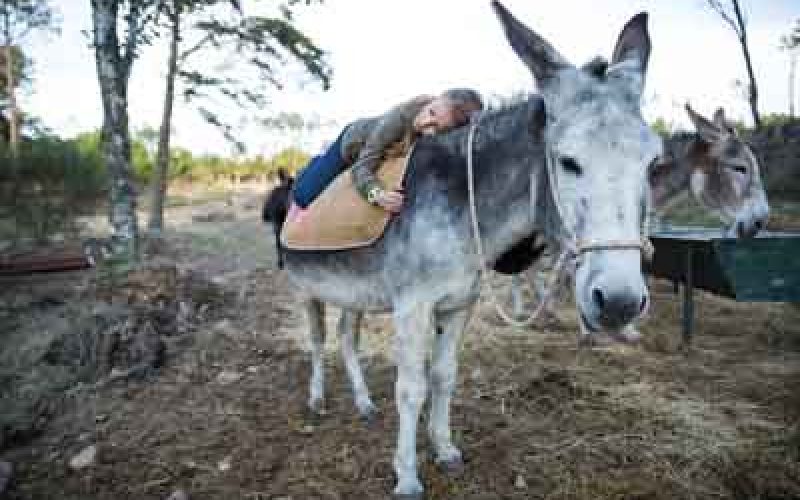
point(719, 117)
point(633, 42)
point(708, 131)
point(540, 57)
point(722, 123)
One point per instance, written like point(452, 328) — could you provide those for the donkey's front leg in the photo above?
point(444, 366)
point(349, 332)
point(315, 310)
point(413, 327)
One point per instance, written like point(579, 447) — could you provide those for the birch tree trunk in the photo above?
point(113, 71)
point(158, 188)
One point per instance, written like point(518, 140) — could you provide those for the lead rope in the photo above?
point(555, 275)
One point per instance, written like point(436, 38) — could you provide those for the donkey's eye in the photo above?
point(739, 169)
point(571, 166)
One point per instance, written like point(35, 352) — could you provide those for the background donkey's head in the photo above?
point(726, 177)
point(598, 149)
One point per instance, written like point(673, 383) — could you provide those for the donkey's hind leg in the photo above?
point(350, 331)
point(443, 371)
point(315, 310)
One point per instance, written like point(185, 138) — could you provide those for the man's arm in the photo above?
point(391, 128)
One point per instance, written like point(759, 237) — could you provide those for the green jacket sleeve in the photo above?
point(391, 127)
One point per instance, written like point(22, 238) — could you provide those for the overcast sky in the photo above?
point(383, 52)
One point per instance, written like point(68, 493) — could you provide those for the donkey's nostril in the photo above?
point(597, 297)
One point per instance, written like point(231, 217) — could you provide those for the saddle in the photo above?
point(339, 218)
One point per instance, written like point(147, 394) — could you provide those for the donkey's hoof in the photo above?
point(316, 406)
point(368, 415)
point(419, 495)
point(453, 467)
point(314, 415)
point(409, 490)
point(630, 335)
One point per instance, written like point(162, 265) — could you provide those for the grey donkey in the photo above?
point(575, 173)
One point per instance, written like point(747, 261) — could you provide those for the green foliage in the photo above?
point(290, 159)
point(43, 190)
point(266, 44)
point(76, 166)
point(775, 120)
point(661, 127)
point(181, 163)
point(90, 144)
point(209, 168)
point(53, 181)
point(20, 71)
point(142, 161)
point(20, 17)
point(54, 164)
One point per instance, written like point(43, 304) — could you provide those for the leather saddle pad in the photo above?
point(339, 218)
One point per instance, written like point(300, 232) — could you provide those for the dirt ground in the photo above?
point(203, 388)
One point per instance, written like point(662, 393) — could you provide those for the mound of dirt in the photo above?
point(92, 331)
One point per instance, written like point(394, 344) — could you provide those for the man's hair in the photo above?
point(463, 97)
point(466, 102)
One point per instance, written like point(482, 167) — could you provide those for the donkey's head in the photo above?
point(598, 151)
point(725, 175)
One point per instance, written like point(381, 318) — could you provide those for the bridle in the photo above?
point(572, 247)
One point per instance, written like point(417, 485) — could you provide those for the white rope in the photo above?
point(476, 233)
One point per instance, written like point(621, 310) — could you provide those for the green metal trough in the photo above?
point(761, 269)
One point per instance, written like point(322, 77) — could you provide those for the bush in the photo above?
point(49, 183)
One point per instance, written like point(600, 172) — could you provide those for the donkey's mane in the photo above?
point(676, 144)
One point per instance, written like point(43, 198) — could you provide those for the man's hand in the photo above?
point(391, 201)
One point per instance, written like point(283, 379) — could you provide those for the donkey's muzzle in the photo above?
point(751, 228)
point(618, 308)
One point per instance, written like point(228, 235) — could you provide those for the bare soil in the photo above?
point(203, 384)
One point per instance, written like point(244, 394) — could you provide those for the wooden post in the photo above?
point(688, 309)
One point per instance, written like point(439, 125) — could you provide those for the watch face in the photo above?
point(372, 195)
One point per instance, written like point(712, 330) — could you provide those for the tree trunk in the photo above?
point(753, 89)
point(112, 74)
point(13, 133)
point(13, 130)
point(158, 187)
point(792, 69)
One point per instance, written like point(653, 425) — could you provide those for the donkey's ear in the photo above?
point(708, 131)
point(722, 123)
point(283, 175)
point(633, 42)
point(540, 57)
point(719, 117)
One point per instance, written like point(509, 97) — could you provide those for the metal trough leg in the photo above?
point(688, 304)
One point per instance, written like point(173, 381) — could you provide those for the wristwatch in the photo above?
point(373, 194)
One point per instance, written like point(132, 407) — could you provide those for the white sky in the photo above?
point(383, 52)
